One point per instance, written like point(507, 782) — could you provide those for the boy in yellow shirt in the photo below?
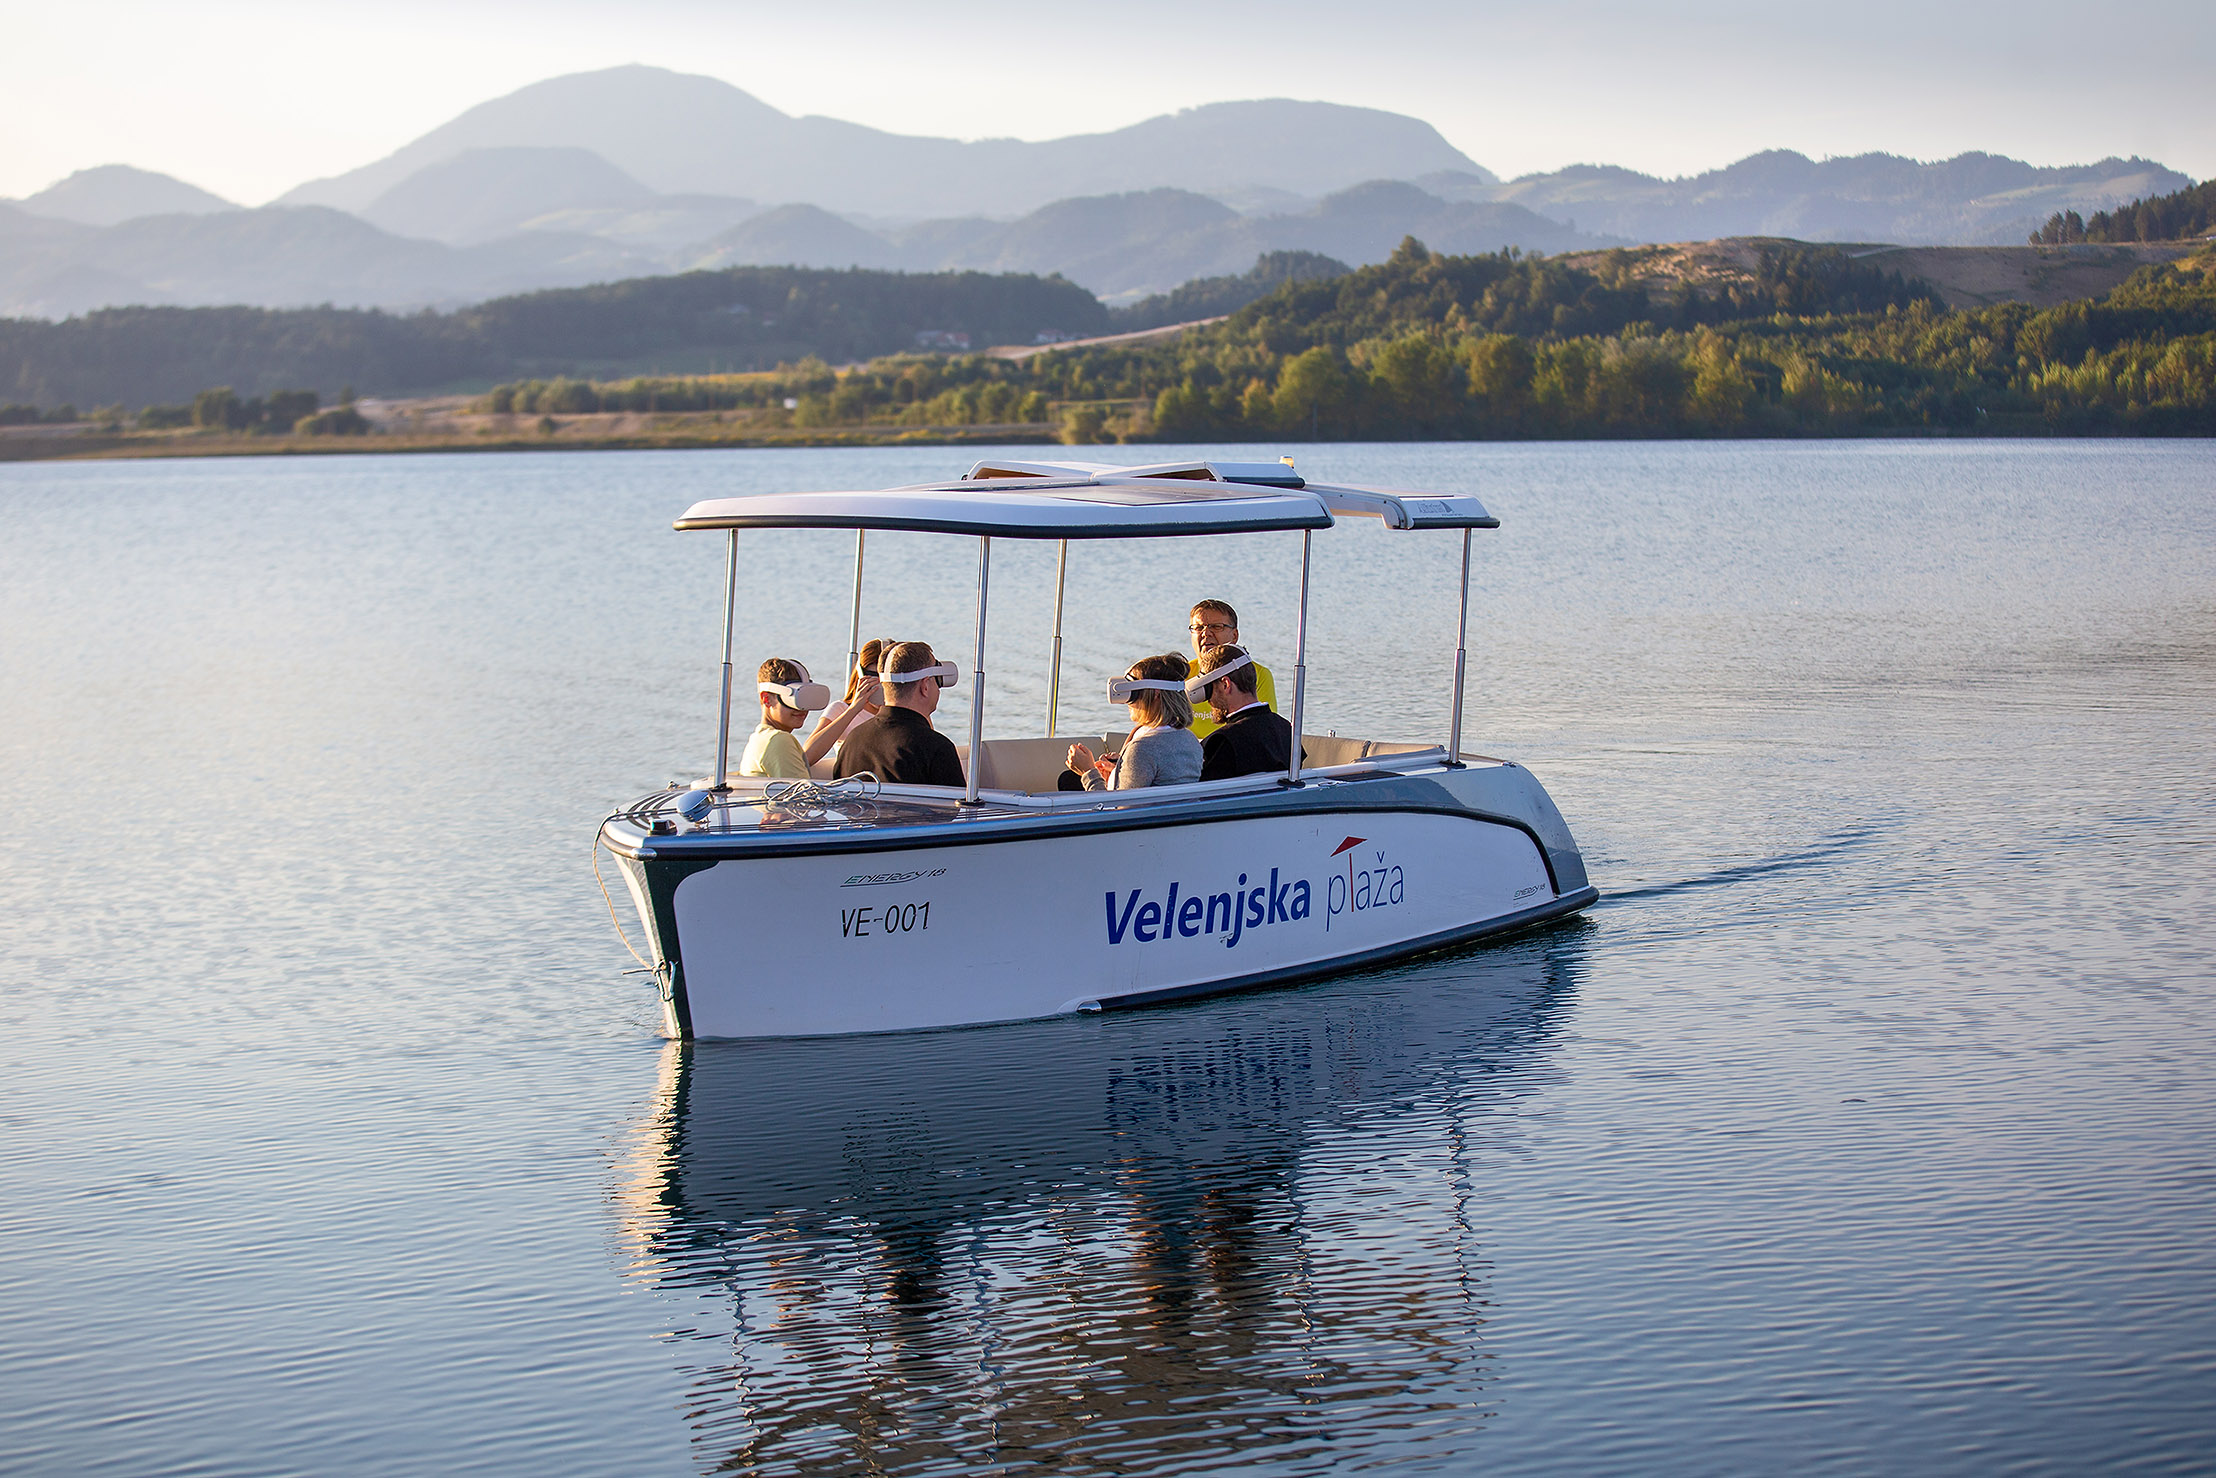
point(787, 698)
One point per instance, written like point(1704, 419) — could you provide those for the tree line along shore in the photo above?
point(1803, 341)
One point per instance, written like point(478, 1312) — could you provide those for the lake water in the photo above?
point(1865, 1125)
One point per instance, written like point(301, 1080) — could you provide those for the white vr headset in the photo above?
point(946, 672)
point(804, 695)
point(1121, 689)
point(1196, 687)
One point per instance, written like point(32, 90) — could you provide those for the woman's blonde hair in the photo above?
point(866, 662)
point(1162, 710)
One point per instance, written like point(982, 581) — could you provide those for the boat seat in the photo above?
point(1035, 766)
point(1323, 750)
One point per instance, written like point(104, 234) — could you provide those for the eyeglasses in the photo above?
point(1198, 627)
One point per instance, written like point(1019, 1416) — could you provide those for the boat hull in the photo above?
point(958, 925)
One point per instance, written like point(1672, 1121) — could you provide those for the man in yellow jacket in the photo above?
point(1214, 624)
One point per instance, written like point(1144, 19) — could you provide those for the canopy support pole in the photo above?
point(977, 674)
point(1461, 660)
point(1300, 662)
point(1054, 672)
point(854, 631)
point(730, 605)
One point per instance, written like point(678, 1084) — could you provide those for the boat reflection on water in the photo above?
point(1240, 1231)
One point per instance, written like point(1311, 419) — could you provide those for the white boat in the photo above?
point(1011, 899)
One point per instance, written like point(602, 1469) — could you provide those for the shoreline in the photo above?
point(100, 446)
point(127, 446)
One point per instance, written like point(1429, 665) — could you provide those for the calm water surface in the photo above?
point(1865, 1125)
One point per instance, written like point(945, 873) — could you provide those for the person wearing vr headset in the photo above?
point(1161, 749)
point(1248, 739)
point(1214, 624)
point(788, 696)
point(898, 745)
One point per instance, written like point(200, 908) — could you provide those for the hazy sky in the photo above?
point(250, 97)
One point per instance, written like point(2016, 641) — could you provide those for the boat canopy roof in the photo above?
point(1405, 510)
point(1092, 500)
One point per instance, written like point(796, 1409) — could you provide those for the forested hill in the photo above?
point(1551, 297)
point(1809, 342)
point(738, 319)
point(1747, 338)
point(1804, 341)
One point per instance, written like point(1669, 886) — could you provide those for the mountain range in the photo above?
point(635, 171)
point(1969, 200)
point(679, 134)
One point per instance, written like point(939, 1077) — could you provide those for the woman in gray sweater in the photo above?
point(1161, 749)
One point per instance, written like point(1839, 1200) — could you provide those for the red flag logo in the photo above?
point(1349, 843)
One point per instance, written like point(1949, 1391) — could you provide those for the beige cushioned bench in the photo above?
point(1324, 750)
point(1036, 765)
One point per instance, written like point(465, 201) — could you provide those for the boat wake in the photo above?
point(1824, 852)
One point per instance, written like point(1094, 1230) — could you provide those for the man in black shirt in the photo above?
point(1249, 739)
point(899, 746)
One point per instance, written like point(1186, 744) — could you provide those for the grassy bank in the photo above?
point(575, 433)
